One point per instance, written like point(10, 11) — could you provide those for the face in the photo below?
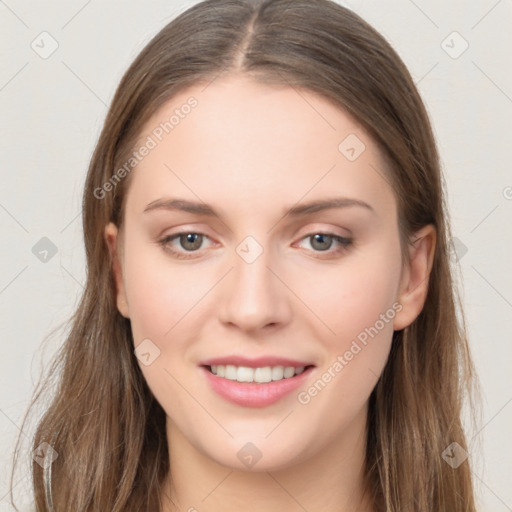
point(230, 258)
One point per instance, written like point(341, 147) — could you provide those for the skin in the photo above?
point(252, 151)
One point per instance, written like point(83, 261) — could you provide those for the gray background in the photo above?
point(53, 108)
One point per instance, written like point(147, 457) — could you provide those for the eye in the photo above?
point(323, 242)
point(183, 245)
point(189, 241)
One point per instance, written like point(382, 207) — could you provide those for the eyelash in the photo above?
point(344, 243)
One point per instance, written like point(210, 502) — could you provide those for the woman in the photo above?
point(269, 320)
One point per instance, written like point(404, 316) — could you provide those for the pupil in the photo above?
point(193, 239)
point(322, 240)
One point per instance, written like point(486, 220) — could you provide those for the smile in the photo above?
point(260, 375)
point(255, 387)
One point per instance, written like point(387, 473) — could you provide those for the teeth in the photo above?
point(244, 374)
point(230, 372)
point(277, 373)
point(260, 375)
point(289, 371)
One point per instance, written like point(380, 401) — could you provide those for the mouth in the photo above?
point(255, 386)
point(258, 375)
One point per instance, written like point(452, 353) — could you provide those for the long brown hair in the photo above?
point(103, 422)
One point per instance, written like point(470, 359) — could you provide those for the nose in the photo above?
point(254, 295)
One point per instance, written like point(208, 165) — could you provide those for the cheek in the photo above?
point(352, 296)
point(163, 305)
point(358, 303)
point(158, 297)
point(167, 306)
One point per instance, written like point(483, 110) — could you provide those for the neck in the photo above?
point(330, 481)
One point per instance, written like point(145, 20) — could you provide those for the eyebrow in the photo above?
point(295, 211)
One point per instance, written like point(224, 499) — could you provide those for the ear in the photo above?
point(415, 277)
point(112, 239)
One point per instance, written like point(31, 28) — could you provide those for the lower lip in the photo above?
point(252, 394)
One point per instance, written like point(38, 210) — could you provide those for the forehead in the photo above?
point(246, 143)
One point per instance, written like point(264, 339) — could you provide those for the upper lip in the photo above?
point(256, 362)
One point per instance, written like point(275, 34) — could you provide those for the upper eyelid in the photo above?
point(313, 230)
